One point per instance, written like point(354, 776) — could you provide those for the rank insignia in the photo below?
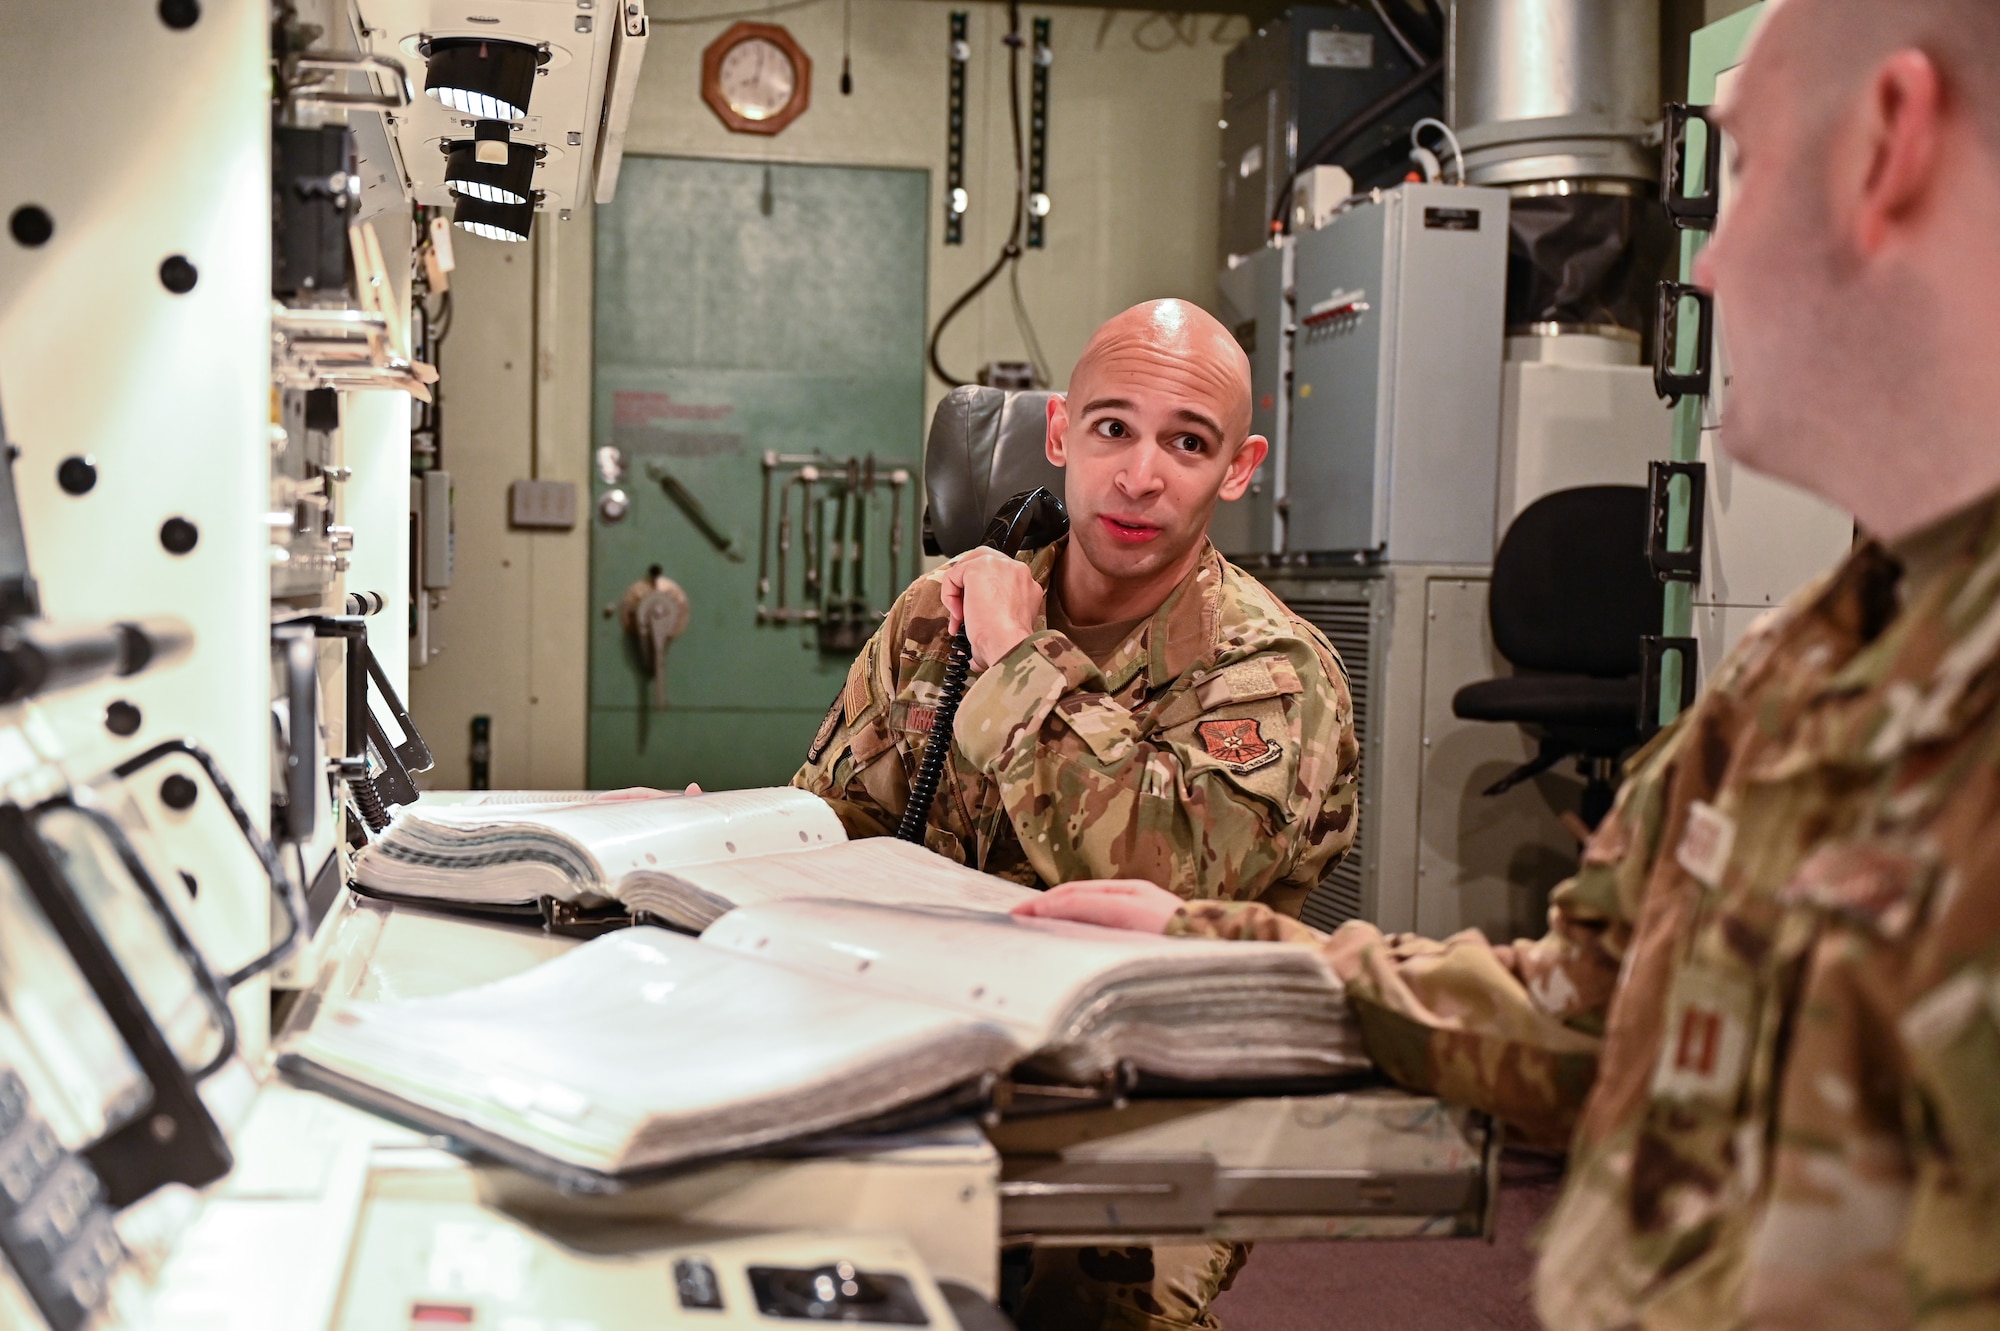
point(1238, 745)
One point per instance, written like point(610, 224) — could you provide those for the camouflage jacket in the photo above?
point(1783, 954)
point(1214, 754)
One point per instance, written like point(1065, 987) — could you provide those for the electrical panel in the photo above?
point(1395, 405)
point(1292, 83)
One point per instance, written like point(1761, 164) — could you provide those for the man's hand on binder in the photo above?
point(1113, 903)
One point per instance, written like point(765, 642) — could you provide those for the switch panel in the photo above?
point(548, 505)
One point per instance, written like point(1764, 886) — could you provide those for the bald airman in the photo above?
point(1141, 708)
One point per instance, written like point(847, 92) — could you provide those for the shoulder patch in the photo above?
point(1253, 680)
point(1239, 745)
point(826, 728)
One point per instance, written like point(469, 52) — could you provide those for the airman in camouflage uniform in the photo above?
point(1769, 1003)
point(1211, 751)
point(1766, 1016)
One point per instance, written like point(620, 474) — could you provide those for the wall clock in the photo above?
point(756, 77)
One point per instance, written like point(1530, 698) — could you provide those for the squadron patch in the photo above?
point(826, 729)
point(1238, 745)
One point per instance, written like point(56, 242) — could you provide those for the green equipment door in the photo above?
point(757, 425)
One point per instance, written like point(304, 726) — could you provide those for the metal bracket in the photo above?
point(366, 739)
point(1671, 564)
point(955, 201)
point(1690, 212)
point(290, 896)
point(1050, 1195)
point(295, 816)
point(1668, 381)
point(399, 95)
point(172, 1138)
point(1654, 650)
point(1038, 134)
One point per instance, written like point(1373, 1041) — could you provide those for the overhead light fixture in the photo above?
point(490, 167)
point(489, 80)
point(494, 221)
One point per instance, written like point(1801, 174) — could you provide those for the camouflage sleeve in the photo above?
point(1885, 1179)
point(1243, 785)
point(831, 769)
point(1950, 1248)
point(1512, 1030)
point(1239, 922)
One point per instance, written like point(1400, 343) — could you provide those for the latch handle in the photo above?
point(1691, 212)
point(1654, 649)
point(1669, 381)
point(1671, 563)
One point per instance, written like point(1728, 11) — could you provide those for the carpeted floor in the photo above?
point(1402, 1284)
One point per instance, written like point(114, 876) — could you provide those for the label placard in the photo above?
point(1451, 219)
point(1330, 48)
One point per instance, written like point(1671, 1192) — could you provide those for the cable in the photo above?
point(1432, 122)
point(1027, 327)
point(846, 48)
point(1351, 128)
point(694, 19)
point(1010, 253)
point(923, 789)
point(1402, 39)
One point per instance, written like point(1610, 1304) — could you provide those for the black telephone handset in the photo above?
point(1030, 520)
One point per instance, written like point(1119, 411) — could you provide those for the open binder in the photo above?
point(647, 1051)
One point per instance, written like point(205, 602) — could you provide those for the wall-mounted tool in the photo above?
point(839, 590)
point(692, 509)
point(1028, 521)
point(653, 612)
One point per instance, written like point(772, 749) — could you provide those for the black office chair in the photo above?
point(1572, 595)
point(985, 446)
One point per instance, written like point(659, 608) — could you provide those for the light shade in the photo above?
point(494, 221)
point(469, 173)
point(490, 80)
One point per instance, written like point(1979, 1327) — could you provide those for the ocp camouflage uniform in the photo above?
point(1213, 753)
point(1782, 953)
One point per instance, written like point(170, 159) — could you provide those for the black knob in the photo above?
point(121, 718)
point(178, 792)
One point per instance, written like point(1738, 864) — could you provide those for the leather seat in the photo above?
point(986, 445)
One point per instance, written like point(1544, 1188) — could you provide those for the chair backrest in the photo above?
point(1572, 589)
point(985, 446)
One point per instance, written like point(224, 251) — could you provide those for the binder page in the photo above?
point(879, 869)
point(473, 852)
point(432, 800)
point(644, 1046)
point(1032, 975)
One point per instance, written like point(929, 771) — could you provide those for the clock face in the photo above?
point(758, 78)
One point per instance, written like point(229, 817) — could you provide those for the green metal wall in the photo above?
point(740, 308)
